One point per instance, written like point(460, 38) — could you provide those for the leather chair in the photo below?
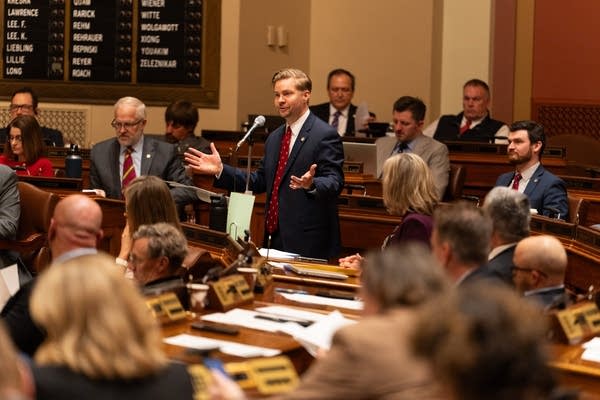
point(456, 181)
point(37, 207)
point(578, 210)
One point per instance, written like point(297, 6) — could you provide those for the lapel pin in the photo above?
point(302, 139)
point(148, 155)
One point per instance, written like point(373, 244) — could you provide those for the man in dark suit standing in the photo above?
point(474, 123)
point(547, 193)
point(301, 172)
point(24, 101)
point(138, 154)
point(338, 111)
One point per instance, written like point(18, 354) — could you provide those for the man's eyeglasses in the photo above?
point(124, 125)
point(24, 107)
point(514, 269)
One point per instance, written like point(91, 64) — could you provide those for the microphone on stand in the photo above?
point(258, 121)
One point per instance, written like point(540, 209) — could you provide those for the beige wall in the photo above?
point(465, 49)
point(386, 44)
point(258, 61)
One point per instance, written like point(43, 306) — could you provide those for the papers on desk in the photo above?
point(317, 335)
point(327, 301)
point(231, 348)
point(277, 254)
point(9, 283)
point(592, 350)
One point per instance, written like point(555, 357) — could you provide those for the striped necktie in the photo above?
point(128, 170)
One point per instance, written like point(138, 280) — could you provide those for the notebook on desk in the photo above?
point(315, 272)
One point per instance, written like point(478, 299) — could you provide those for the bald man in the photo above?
point(539, 265)
point(75, 228)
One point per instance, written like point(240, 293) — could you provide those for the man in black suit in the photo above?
point(474, 123)
point(539, 266)
point(509, 212)
point(24, 101)
point(302, 184)
point(149, 156)
point(340, 89)
point(461, 242)
point(75, 230)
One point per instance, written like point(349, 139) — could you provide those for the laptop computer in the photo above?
point(364, 152)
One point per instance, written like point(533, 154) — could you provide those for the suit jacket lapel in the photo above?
point(113, 164)
point(149, 149)
point(302, 137)
point(533, 182)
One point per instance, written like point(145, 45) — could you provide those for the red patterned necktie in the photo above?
point(128, 170)
point(273, 213)
point(465, 127)
point(516, 181)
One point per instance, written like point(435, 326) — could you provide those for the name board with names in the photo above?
point(99, 50)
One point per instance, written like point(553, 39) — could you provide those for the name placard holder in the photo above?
point(229, 292)
point(577, 323)
point(166, 308)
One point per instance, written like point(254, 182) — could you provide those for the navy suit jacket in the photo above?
point(308, 219)
point(501, 265)
point(322, 111)
point(158, 159)
point(545, 191)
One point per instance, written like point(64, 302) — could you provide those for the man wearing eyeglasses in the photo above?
point(539, 265)
point(116, 162)
point(24, 101)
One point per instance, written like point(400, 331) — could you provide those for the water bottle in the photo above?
point(218, 213)
point(73, 163)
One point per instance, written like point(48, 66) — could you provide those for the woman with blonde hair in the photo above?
point(409, 192)
point(148, 201)
point(102, 341)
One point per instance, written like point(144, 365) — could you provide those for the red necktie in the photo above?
point(465, 127)
point(516, 181)
point(128, 170)
point(273, 213)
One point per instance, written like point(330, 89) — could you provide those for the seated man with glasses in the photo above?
point(116, 162)
point(539, 265)
point(24, 101)
point(156, 259)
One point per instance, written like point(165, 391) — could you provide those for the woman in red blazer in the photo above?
point(24, 148)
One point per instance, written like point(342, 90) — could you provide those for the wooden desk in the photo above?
point(574, 373)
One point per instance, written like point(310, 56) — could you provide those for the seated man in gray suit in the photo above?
point(408, 117)
point(116, 162)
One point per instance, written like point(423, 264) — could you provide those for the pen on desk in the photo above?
point(336, 295)
point(303, 323)
point(290, 291)
point(310, 259)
